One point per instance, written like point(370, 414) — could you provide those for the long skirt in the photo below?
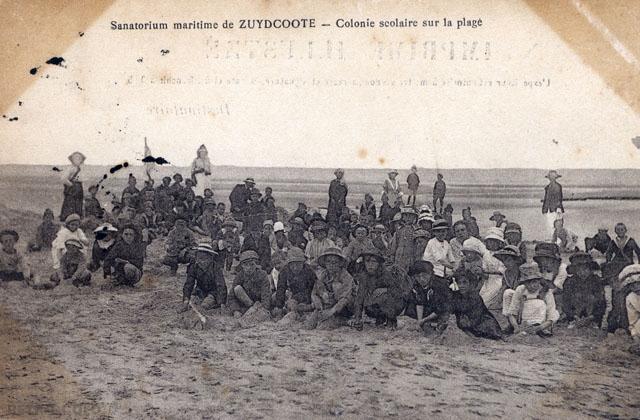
point(73, 200)
point(202, 182)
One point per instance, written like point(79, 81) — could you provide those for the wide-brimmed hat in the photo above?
point(74, 242)
point(629, 275)
point(546, 250)
point(205, 247)
point(420, 267)
point(249, 180)
point(393, 171)
point(255, 191)
point(553, 174)
point(10, 232)
point(299, 221)
point(267, 222)
point(318, 225)
point(74, 154)
point(497, 214)
point(428, 217)
point(581, 258)
point(328, 252)
point(338, 171)
point(202, 147)
point(73, 217)
point(420, 233)
point(295, 254)
point(278, 227)
point(372, 251)
point(473, 246)
point(530, 272)
point(509, 251)
point(512, 227)
point(380, 228)
point(177, 175)
point(248, 256)
point(209, 202)
point(105, 227)
point(495, 233)
point(440, 225)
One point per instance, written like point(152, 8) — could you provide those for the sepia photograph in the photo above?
point(286, 209)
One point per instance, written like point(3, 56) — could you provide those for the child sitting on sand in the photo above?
point(583, 299)
point(563, 237)
point(13, 267)
point(250, 287)
point(533, 307)
point(105, 240)
point(295, 284)
point(46, 233)
point(73, 265)
point(126, 259)
point(203, 277)
point(430, 300)
point(472, 316)
point(630, 285)
point(70, 230)
point(179, 242)
point(333, 293)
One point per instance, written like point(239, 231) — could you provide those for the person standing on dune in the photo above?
point(439, 191)
point(73, 192)
point(552, 206)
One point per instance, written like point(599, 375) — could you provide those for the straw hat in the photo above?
point(205, 247)
point(393, 171)
point(268, 222)
point(509, 251)
point(332, 251)
point(74, 242)
point(512, 228)
point(472, 246)
point(318, 225)
point(229, 222)
point(249, 180)
point(247, 256)
point(629, 275)
point(360, 226)
point(380, 228)
point(495, 233)
point(295, 254)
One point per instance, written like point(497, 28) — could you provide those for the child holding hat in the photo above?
point(533, 307)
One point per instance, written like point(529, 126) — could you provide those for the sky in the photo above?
point(357, 102)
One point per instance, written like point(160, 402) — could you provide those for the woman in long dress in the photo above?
point(338, 191)
point(201, 171)
point(73, 192)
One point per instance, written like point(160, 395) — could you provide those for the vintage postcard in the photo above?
point(314, 209)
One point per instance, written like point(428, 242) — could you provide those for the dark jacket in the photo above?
point(133, 253)
point(552, 198)
point(413, 181)
point(262, 246)
point(472, 316)
point(205, 278)
point(256, 286)
point(300, 285)
point(367, 283)
point(584, 297)
point(239, 198)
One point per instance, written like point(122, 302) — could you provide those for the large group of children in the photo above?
point(343, 266)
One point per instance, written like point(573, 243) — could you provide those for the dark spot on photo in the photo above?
point(158, 160)
point(164, 52)
point(126, 164)
point(78, 86)
point(116, 168)
point(33, 71)
point(13, 119)
point(81, 33)
point(56, 61)
point(56, 169)
point(19, 103)
point(139, 60)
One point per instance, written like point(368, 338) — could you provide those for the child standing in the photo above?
point(439, 192)
point(402, 246)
